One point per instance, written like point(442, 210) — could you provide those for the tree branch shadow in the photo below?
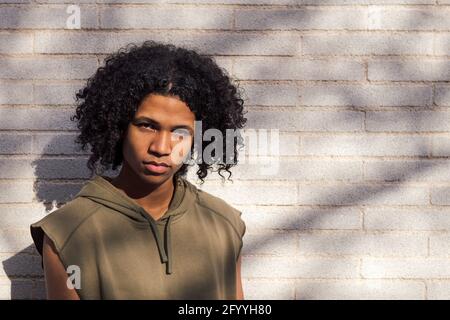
point(59, 186)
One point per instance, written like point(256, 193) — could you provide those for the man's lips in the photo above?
point(156, 167)
point(157, 163)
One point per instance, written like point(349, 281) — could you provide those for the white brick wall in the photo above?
point(358, 89)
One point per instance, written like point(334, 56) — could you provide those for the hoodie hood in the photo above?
point(100, 190)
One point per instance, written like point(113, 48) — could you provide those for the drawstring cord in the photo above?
point(168, 247)
point(165, 253)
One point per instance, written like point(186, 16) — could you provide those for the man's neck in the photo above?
point(154, 199)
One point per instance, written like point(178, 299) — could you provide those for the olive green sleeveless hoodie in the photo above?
point(124, 253)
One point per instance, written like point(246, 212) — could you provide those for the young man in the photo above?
point(148, 233)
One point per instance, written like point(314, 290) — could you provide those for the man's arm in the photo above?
point(55, 274)
point(240, 291)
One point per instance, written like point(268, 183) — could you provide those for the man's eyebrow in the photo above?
point(146, 118)
point(181, 126)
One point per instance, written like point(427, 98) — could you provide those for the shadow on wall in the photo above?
point(58, 179)
point(60, 172)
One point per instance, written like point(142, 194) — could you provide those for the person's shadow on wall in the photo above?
point(60, 171)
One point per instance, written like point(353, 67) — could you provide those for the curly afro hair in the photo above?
point(108, 102)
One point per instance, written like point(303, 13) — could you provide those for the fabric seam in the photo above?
point(223, 217)
point(78, 226)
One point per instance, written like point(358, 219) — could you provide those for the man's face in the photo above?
point(162, 131)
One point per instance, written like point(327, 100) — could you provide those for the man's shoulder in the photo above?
point(217, 206)
point(60, 224)
point(72, 212)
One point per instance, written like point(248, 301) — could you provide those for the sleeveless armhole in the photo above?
point(241, 227)
point(60, 225)
point(44, 226)
point(229, 213)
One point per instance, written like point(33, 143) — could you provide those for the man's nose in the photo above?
point(162, 143)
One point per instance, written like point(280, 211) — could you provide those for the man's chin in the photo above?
point(157, 178)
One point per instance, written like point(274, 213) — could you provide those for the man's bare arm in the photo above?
point(55, 274)
point(240, 291)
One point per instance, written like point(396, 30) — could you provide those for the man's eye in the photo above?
point(181, 133)
point(146, 125)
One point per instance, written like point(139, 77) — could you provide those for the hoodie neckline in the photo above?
point(101, 190)
point(177, 205)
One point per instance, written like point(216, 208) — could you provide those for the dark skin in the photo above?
point(161, 126)
point(162, 130)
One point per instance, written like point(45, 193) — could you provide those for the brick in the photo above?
point(15, 240)
point(39, 291)
point(423, 69)
point(298, 69)
point(36, 119)
point(44, 168)
point(270, 217)
point(165, 18)
point(407, 170)
point(406, 219)
point(204, 1)
point(411, 268)
point(365, 145)
point(306, 120)
point(17, 265)
point(15, 289)
point(56, 94)
point(13, 143)
point(281, 243)
point(59, 192)
point(241, 43)
point(398, 18)
point(246, 43)
point(271, 2)
point(288, 143)
point(442, 97)
point(261, 289)
point(16, 42)
point(287, 169)
point(301, 19)
point(88, 42)
point(441, 145)
point(224, 63)
point(271, 95)
point(241, 193)
point(62, 168)
point(362, 2)
point(365, 95)
point(367, 43)
point(439, 245)
point(16, 192)
point(16, 93)
point(358, 243)
point(58, 143)
point(408, 121)
point(441, 44)
point(296, 218)
point(16, 168)
point(359, 290)
point(440, 195)
point(301, 267)
point(65, 1)
point(47, 68)
point(364, 194)
point(438, 290)
point(48, 17)
point(20, 216)
point(16, 1)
